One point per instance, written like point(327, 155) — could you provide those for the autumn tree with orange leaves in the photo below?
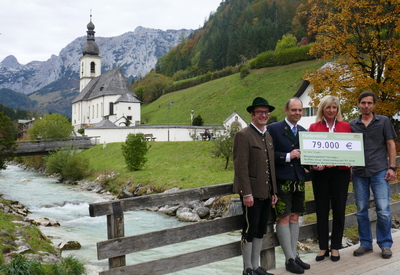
point(363, 39)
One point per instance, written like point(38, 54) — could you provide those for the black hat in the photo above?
point(259, 101)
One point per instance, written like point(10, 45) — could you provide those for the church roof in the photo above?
point(90, 48)
point(110, 83)
point(105, 123)
point(128, 97)
point(231, 116)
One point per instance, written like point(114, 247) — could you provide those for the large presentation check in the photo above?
point(321, 148)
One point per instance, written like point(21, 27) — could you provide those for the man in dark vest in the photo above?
point(290, 177)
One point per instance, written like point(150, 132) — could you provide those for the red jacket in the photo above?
point(340, 127)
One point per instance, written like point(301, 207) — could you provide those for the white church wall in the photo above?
point(161, 133)
point(129, 109)
point(107, 100)
point(75, 118)
point(80, 114)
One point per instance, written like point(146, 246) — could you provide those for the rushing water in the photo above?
point(46, 198)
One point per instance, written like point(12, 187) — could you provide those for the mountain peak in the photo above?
point(10, 62)
point(135, 54)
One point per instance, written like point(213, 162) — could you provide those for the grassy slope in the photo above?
point(170, 164)
point(11, 229)
point(216, 100)
point(190, 164)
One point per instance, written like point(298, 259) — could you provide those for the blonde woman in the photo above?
point(330, 183)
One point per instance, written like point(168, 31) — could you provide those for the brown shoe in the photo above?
point(386, 253)
point(361, 251)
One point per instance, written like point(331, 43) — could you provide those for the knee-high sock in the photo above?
point(283, 234)
point(255, 255)
point(247, 248)
point(294, 236)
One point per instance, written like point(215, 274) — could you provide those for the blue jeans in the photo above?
point(381, 191)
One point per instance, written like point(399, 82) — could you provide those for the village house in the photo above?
point(309, 113)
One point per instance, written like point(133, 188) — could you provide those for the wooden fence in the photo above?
point(44, 146)
point(117, 245)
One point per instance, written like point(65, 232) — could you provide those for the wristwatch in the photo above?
point(393, 168)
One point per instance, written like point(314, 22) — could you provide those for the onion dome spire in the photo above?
point(90, 46)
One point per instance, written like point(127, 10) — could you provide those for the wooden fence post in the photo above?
point(115, 229)
point(268, 260)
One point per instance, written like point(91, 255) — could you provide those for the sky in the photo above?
point(36, 29)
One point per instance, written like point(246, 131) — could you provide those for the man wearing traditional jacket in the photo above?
point(254, 181)
point(290, 178)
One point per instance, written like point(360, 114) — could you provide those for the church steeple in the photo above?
point(90, 46)
point(90, 61)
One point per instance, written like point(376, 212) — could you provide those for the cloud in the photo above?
point(36, 29)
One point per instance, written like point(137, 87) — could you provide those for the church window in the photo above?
point(129, 117)
point(129, 107)
point(92, 67)
point(111, 108)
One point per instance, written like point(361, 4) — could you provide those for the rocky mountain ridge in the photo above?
point(136, 53)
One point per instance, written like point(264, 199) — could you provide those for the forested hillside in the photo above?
point(216, 100)
point(15, 100)
point(238, 31)
point(14, 115)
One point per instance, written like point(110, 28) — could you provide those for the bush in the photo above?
point(223, 147)
point(51, 126)
point(198, 121)
point(56, 161)
point(67, 163)
point(134, 151)
point(21, 265)
point(68, 266)
point(184, 84)
point(7, 139)
point(262, 60)
point(244, 71)
point(36, 162)
point(292, 55)
point(81, 131)
point(76, 168)
point(281, 57)
point(272, 119)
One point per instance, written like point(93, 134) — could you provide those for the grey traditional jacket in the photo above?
point(252, 152)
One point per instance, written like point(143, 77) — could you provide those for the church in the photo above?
point(103, 98)
point(108, 109)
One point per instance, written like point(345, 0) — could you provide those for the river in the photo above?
point(46, 198)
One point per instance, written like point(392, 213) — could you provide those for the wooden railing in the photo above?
point(117, 245)
point(44, 146)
